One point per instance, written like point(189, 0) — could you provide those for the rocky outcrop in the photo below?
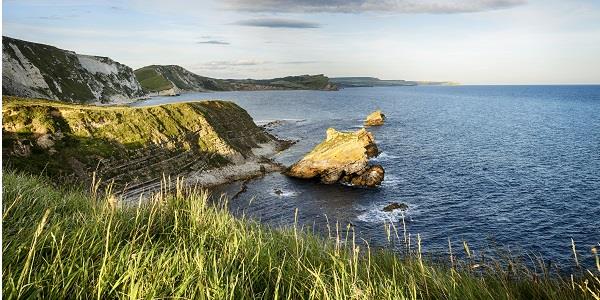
point(211, 141)
point(343, 157)
point(42, 71)
point(376, 118)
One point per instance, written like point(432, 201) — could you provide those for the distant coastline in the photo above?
point(350, 82)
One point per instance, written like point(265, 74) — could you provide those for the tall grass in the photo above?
point(60, 243)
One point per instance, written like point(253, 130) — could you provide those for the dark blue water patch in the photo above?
point(516, 165)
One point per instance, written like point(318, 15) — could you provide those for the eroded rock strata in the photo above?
point(208, 142)
point(343, 157)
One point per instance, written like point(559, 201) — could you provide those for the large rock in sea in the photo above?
point(376, 118)
point(343, 157)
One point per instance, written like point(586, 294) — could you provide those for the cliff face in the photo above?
point(130, 146)
point(172, 80)
point(42, 71)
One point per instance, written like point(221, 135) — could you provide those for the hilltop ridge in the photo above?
point(170, 80)
point(165, 80)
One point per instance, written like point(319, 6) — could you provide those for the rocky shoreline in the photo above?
point(133, 149)
point(260, 164)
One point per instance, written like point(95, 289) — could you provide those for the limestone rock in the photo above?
point(371, 176)
point(342, 157)
point(376, 118)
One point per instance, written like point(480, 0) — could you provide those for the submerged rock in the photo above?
point(342, 157)
point(395, 205)
point(376, 118)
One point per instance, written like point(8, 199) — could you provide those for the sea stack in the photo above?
point(343, 157)
point(376, 118)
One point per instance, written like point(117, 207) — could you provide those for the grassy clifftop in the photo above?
point(61, 244)
point(128, 145)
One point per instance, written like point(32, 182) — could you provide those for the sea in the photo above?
point(515, 169)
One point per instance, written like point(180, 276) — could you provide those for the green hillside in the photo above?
point(124, 144)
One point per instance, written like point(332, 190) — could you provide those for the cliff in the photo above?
point(130, 146)
point(171, 80)
point(41, 71)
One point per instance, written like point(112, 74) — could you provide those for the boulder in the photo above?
point(45, 141)
point(376, 118)
point(395, 205)
point(343, 157)
point(371, 176)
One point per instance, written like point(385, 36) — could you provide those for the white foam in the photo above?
point(391, 180)
point(377, 215)
point(284, 193)
point(384, 156)
point(502, 219)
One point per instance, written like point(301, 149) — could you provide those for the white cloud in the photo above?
point(356, 6)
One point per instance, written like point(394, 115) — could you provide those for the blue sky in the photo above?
point(472, 42)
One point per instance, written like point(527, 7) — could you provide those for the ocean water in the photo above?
point(515, 167)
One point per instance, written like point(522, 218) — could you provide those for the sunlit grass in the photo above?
point(66, 244)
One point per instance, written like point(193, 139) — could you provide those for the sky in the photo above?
point(470, 42)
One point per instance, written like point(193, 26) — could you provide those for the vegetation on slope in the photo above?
point(302, 82)
point(156, 78)
point(151, 80)
point(125, 144)
point(60, 243)
point(42, 71)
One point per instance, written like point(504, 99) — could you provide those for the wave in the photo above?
point(283, 193)
point(384, 156)
point(375, 214)
point(391, 180)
